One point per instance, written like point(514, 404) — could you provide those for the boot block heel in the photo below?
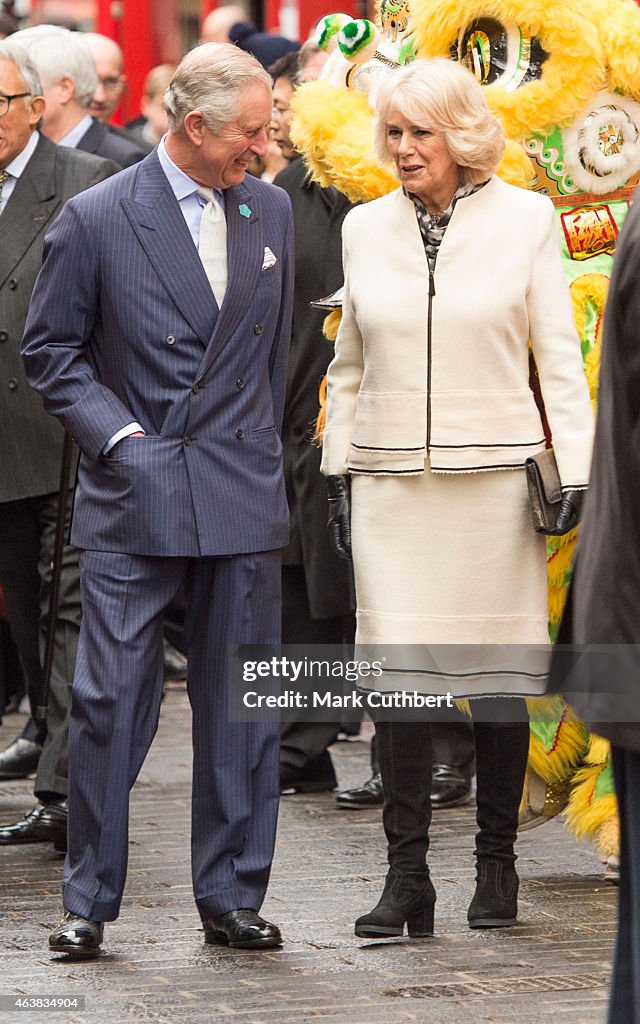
point(420, 924)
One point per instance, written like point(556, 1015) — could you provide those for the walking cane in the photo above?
point(56, 570)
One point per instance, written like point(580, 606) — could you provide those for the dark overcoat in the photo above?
point(31, 442)
point(318, 214)
point(108, 142)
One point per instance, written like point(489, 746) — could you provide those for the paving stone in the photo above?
point(329, 868)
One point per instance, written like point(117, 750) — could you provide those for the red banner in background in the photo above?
point(280, 14)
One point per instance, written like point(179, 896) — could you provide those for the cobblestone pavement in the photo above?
point(329, 868)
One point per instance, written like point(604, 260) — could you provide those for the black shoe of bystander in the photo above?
point(46, 823)
point(370, 794)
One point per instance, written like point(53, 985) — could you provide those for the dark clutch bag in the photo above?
point(545, 490)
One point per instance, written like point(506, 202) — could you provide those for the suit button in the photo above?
point(171, 339)
point(186, 439)
point(196, 389)
point(239, 382)
point(257, 329)
point(13, 383)
point(239, 433)
point(4, 336)
point(13, 284)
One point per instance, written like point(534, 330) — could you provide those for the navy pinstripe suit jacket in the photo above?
point(123, 326)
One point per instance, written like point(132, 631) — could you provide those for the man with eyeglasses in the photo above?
point(285, 78)
point(109, 61)
point(36, 178)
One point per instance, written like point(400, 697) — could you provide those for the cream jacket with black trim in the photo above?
point(499, 281)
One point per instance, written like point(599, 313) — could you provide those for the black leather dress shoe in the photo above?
point(46, 823)
point(450, 786)
point(19, 759)
point(368, 795)
point(175, 663)
point(241, 929)
point(77, 936)
point(317, 776)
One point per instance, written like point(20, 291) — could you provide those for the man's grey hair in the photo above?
point(58, 53)
point(210, 79)
point(12, 51)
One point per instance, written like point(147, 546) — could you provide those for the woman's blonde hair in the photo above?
point(445, 98)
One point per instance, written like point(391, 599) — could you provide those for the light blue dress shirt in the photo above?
point(16, 168)
point(185, 189)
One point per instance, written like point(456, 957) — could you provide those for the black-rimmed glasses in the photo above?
point(6, 100)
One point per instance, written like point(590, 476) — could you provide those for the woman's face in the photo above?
point(422, 160)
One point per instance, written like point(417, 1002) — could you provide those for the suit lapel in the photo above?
point(245, 254)
point(30, 207)
point(92, 137)
point(157, 220)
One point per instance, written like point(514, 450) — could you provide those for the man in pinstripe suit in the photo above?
point(162, 349)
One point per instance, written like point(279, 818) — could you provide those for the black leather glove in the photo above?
point(570, 512)
point(339, 521)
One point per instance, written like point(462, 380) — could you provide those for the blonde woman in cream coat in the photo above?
point(430, 419)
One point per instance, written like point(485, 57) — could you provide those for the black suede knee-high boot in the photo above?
point(501, 760)
point(405, 756)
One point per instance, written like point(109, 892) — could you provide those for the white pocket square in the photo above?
point(269, 258)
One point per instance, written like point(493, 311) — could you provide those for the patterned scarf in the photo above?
point(432, 228)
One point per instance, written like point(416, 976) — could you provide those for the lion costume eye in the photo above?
point(394, 18)
point(494, 53)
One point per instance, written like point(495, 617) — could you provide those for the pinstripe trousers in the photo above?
point(114, 716)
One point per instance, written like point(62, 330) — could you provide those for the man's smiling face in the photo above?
point(224, 156)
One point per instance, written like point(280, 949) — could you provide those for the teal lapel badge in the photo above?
point(244, 210)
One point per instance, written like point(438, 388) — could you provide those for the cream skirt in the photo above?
point(443, 560)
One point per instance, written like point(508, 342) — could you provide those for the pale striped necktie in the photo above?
point(212, 246)
point(3, 178)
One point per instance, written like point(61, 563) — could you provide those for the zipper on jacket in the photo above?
point(432, 292)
